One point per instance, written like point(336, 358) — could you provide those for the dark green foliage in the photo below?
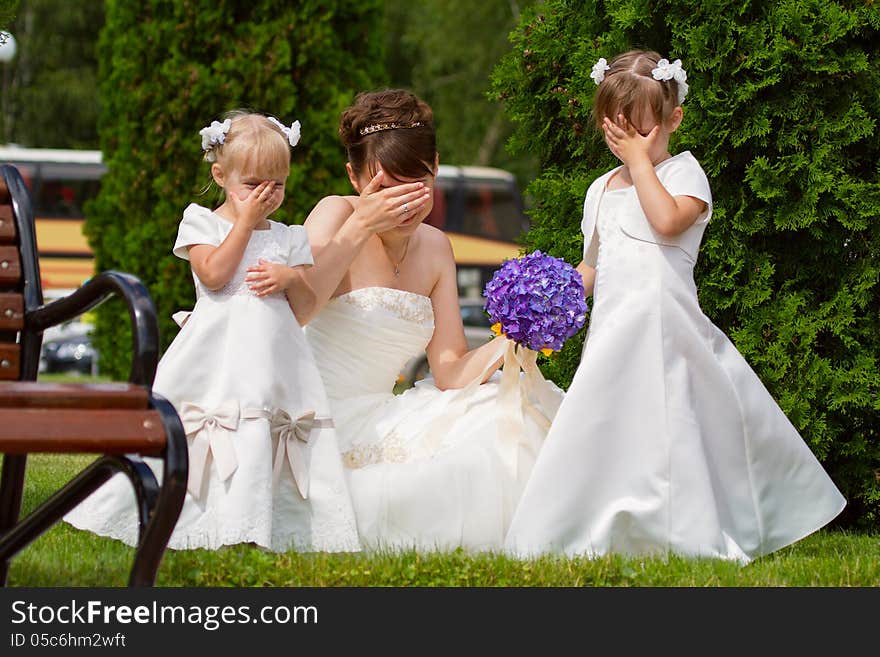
point(782, 113)
point(50, 91)
point(7, 13)
point(166, 69)
point(445, 50)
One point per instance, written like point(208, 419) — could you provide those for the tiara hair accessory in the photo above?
point(292, 132)
point(213, 135)
point(599, 69)
point(378, 127)
point(667, 71)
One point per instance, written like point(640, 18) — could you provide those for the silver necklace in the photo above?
point(397, 264)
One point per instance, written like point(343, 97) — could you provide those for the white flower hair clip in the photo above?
point(213, 135)
point(667, 71)
point(292, 132)
point(599, 69)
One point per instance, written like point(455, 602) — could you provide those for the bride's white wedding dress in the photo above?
point(426, 469)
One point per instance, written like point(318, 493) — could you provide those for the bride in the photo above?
point(443, 464)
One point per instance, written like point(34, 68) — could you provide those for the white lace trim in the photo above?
point(338, 530)
point(333, 528)
point(338, 535)
point(406, 305)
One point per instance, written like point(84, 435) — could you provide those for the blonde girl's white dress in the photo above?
point(667, 441)
point(264, 461)
point(427, 469)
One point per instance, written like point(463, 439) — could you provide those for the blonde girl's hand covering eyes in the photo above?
point(258, 205)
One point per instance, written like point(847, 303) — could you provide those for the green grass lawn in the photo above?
point(65, 556)
point(70, 377)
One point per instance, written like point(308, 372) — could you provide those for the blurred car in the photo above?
point(477, 331)
point(69, 349)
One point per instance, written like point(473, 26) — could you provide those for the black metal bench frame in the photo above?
point(158, 506)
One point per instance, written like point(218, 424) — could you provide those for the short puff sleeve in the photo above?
point(300, 251)
point(198, 226)
point(683, 176)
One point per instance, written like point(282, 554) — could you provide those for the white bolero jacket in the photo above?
point(681, 175)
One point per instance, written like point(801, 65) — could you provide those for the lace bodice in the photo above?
point(278, 243)
point(363, 338)
point(263, 244)
point(407, 306)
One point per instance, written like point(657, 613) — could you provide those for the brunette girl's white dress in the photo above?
point(666, 441)
point(264, 464)
point(426, 469)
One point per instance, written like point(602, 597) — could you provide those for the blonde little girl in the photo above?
point(264, 466)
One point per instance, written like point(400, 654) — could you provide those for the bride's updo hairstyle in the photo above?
point(628, 86)
point(392, 130)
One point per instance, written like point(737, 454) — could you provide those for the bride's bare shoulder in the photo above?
point(435, 239)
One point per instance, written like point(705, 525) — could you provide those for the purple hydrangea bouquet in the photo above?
point(537, 301)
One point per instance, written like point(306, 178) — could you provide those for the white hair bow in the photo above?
point(599, 69)
point(212, 135)
point(292, 132)
point(667, 71)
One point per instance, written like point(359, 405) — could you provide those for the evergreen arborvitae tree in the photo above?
point(782, 114)
point(169, 67)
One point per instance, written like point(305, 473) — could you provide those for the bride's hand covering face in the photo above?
point(378, 238)
point(392, 159)
point(385, 205)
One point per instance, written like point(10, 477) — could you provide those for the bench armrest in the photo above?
point(145, 333)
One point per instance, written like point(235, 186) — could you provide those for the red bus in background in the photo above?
point(479, 208)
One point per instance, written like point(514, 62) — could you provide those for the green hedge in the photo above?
point(7, 13)
point(782, 113)
point(166, 69)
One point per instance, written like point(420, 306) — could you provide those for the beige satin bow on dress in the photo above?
point(210, 433)
point(293, 436)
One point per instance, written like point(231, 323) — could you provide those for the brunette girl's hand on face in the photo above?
point(258, 205)
point(381, 209)
point(625, 141)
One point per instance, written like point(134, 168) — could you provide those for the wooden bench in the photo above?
point(122, 422)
